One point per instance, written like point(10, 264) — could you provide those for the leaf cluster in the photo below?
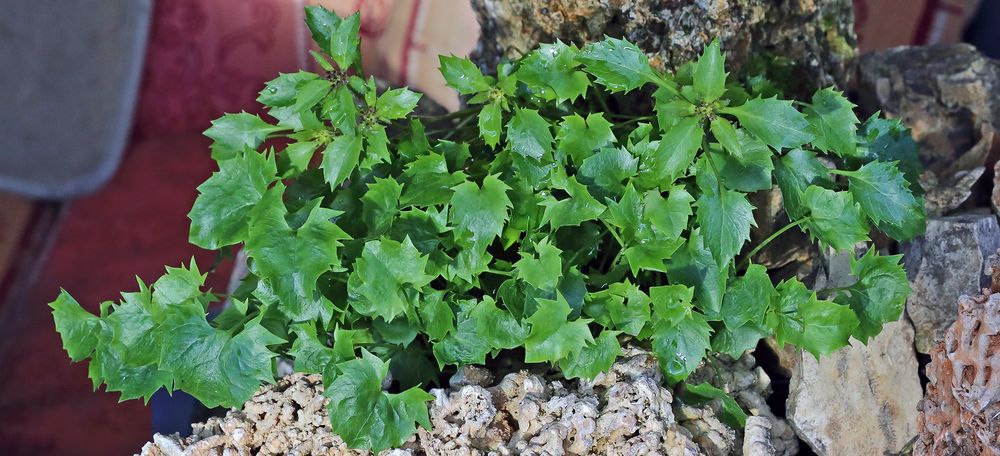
point(386, 247)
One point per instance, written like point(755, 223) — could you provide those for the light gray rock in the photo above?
point(859, 400)
point(757, 437)
point(948, 261)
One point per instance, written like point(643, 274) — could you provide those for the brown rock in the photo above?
point(817, 35)
point(945, 94)
point(959, 416)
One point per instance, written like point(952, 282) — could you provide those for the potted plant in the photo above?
point(547, 222)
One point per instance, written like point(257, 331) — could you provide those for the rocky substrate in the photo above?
point(626, 411)
point(961, 413)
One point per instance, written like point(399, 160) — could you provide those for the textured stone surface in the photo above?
point(750, 386)
point(948, 261)
point(817, 35)
point(859, 400)
point(944, 197)
point(625, 411)
point(946, 94)
point(959, 416)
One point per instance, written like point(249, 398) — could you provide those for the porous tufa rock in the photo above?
point(960, 415)
point(750, 386)
point(625, 411)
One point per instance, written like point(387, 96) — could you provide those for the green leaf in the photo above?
point(594, 358)
point(341, 109)
point(232, 133)
point(817, 326)
point(221, 213)
point(750, 173)
point(479, 213)
point(310, 93)
point(381, 205)
point(377, 286)
point(426, 181)
point(281, 91)
point(681, 345)
point(725, 134)
point(299, 154)
point(695, 266)
point(879, 295)
point(376, 147)
point(552, 337)
point(832, 122)
point(396, 104)
point(834, 218)
point(795, 172)
point(670, 109)
point(551, 72)
point(885, 196)
point(709, 72)
point(725, 220)
point(211, 365)
point(577, 137)
point(490, 118)
point(528, 134)
point(462, 75)
point(291, 261)
point(340, 159)
point(617, 64)
point(668, 216)
point(310, 354)
point(889, 140)
point(78, 328)
point(703, 393)
point(774, 121)
point(736, 341)
point(609, 167)
point(626, 307)
point(543, 269)
point(748, 297)
point(337, 37)
point(436, 315)
point(482, 327)
point(572, 211)
point(364, 415)
point(674, 155)
point(671, 303)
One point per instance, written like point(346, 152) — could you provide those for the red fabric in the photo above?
point(206, 57)
point(133, 226)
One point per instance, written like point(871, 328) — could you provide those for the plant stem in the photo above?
point(711, 163)
point(458, 127)
point(614, 234)
point(770, 238)
point(633, 120)
point(499, 272)
point(601, 101)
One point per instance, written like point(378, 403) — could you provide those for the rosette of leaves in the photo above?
point(385, 248)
